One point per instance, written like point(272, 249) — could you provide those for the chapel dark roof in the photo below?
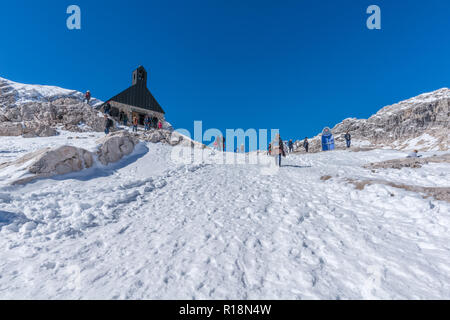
point(138, 94)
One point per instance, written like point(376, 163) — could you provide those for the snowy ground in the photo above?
point(147, 228)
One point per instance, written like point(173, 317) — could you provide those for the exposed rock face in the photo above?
point(115, 146)
point(11, 129)
point(36, 111)
point(419, 123)
point(41, 119)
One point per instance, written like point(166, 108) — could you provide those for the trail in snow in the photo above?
point(153, 229)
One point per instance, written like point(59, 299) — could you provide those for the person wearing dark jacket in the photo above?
point(108, 124)
point(306, 144)
point(107, 109)
point(348, 139)
point(291, 146)
point(278, 149)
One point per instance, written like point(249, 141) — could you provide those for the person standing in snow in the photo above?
point(291, 146)
point(278, 149)
point(87, 96)
point(135, 124)
point(348, 139)
point(306, 144)
point(147, 123)
point(108, 124)
point(125, 119)
point(223, 143)
point(159, 125)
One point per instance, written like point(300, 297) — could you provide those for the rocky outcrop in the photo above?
point(418, 123)
point(37, 111)
point(170, 137)
point(61, 160)
point(115, 146)
point(42, 119)
point(50, 162)
point(11, 129)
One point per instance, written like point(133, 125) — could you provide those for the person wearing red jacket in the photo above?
point(87, 96)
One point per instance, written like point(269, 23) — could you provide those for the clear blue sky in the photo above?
point(293, 65)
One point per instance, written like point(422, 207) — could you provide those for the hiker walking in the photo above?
point(278, 149)
point(159, 125)
point(125, 119)
point(291, 146)
point(348, 139)
point(108, 124)
point(306, 144)
point(135, 124)
point(87, 96)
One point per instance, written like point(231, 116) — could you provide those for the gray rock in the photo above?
point(115, 146)
point(11, 129)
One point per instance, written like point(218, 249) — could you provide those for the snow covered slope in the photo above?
point(14, 93)
point(322, 227)
point(150, 228)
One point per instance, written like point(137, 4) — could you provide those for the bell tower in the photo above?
point(140, 76)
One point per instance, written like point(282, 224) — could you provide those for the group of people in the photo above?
point(347, 136)
point(148, 123)
point(290, 146)
point(277, 147)
point(123, 118)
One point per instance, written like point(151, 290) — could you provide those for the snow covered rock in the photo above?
point(155, 136)
point(115, 146)
point(16, 94)
point(42, 109)
point(49, 162)
point(62, 160)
